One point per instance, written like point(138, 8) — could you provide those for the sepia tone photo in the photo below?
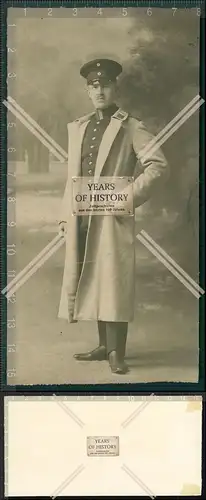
point(103, 196)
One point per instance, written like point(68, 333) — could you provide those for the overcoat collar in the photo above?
point(108, 139)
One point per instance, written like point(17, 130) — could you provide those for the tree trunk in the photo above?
point(38, 159)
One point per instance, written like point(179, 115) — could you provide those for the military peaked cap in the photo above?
point(101, 69)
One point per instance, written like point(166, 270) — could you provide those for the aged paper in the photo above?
point(159, 446)
point(129, 278)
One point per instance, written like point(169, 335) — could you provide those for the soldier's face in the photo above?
point(102, 94)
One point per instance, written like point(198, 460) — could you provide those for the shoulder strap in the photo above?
point(121, 115)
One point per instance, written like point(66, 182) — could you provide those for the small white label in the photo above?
point(107, 196)
point(102, 446)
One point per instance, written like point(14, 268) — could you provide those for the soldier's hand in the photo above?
point(62, 228)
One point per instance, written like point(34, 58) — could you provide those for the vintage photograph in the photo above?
point(103, 170)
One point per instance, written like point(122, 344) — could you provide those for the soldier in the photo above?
point(99, 273)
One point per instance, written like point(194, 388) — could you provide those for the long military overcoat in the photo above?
point(105, 288)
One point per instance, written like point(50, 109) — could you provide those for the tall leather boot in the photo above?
point(116, 344)
point(100, 352)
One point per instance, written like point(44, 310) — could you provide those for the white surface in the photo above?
point(161, 446)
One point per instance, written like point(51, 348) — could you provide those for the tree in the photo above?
point(161, 77)
point(160, 55)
